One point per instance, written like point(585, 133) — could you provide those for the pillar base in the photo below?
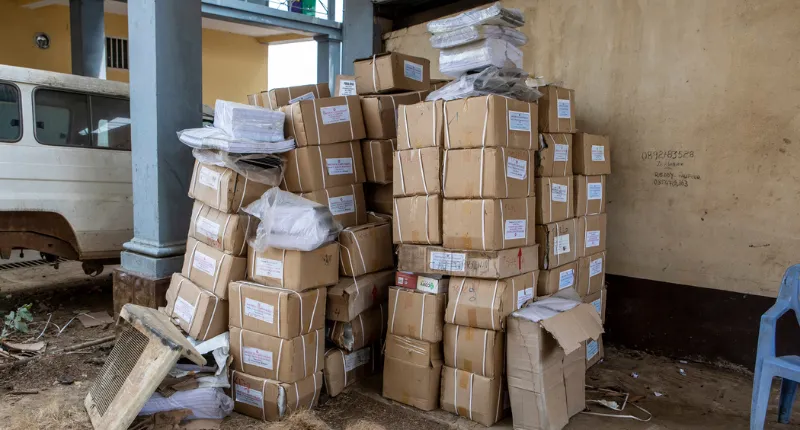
point(133, 287)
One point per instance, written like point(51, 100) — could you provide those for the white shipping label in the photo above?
point(184, 310)
point(347, 87)
point(592, 349)
point(595, 191)
point(259, 310)
point(561, 244)
point(335, 114)
point(342, 205)
point(412, 70)
point(596, 267)
point(257, 357)
point(209, 178)
point(249, 396)
point(561, 152)
point(339, 166)
point(558, 193)
point(204, 263)
point(598, 153)
point(564, 109)
point(516, 168)
point(566, 279)
point(448, 261)
point(592, 238)
point(356, 358)
point(519, 121)
point(269, 268)
point(306, 96)
point(207, 228)
point(515, 229)
point(598, 306)
point(523, 296)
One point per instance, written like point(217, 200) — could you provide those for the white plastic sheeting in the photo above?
point(242, 121)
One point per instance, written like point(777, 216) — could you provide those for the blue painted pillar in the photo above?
point(329, 59)
point(360, 36)
point(88, 38)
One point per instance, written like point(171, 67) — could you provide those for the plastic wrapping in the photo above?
point(242, 121)
point(474, 33)
point(507, 82)
point(215, 138)
point(205, 403)
point(478, 56)
point(495, 14)
point(291, 222)
point(261, 168)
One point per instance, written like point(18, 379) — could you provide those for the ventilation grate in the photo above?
point(118, 366)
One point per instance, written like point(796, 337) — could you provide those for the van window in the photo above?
point(10, 114)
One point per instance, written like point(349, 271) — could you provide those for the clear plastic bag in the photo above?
point(242, 121)
point(261, 168)
point(495, 14)
point(215, 138)
point(205, 403)
point(474, 33)
point(478, 56)
point(506, 82)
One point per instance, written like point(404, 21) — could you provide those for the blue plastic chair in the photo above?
point(768, 365)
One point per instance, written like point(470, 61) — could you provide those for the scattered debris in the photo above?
point(95, 342)
point(56, 415)
point(95, 319)
point(35, 347)
point(23, 392)
point(683, 361)
point(17, 321)
point(682, 372)
point(612, 404)
point(658, 394)
point(635, 375)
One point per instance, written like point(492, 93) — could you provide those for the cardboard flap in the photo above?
point(361, 227)
point(572, 327)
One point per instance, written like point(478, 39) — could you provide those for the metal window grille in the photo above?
point(117, 53)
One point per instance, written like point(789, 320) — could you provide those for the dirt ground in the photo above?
point(705, 396)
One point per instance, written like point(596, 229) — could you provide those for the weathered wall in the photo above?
point(715, 81)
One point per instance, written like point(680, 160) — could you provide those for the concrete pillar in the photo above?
point(88, 38)
point(329, 58)
point(360, 36)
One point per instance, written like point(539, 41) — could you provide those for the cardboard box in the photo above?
point(379, 197)
point(199, 313)
point(349, 298)
point(475, 350)
point(488, 224)
point(420, 125)
point(485, 304)
point(285, 360)
point(381, 111)
point(378, 159)
point(225, 232)
point(212, 269)
point(324, 121)
point(558, 243)
point(575, 380)
point(491, 121)
point(392, 72)
point(255, 99)
point(223, 189)
point(469, 395)
point(415, 314)
point(275, 311)
point(306, 171)
point(592, 155)
point(347, 203)
point(554, 156)
point(367, 327)
point(290, 269)
point(487, 173)
point(279, 97)
point(270, 400)
point(417, 172)
point(556, 279)
point(554, 199)
point(594, 351)
point(431, 284)
point(439, 83)
point(591, 235)
point(345, 85)
point(598, 301)
point(473, 264)
point(557, 110)
point(365, 249)
point(591, 274)
point(590, 195)
point(375, 217)
point(412, 372)
point(343, 369)
point(417, 219)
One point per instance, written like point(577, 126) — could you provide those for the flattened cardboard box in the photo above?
point(225, 232)
point(592, 155)
point(349, 298)
point(276, 311)
point(279, 97)
point(469, 395)
point(365, 249)
point(415, 314)
point(598, 301)
point(380, 112)
point(378, 159)
point(343, 165)
point(557, 110)
point(270, 400)
point(591, 235)
point(475, 350)
point(554, 199)
point(379, 197)
point(591, 274)
point(490, 121)
point(417, 219)
point(483, 303)
point(420, 125)
point(211, 268)
point(345, 85)
point(558, 243)
point(343, 368)
point(590, 195)
point(223, 189)
point(285, 360)
point(594, 351)
point(556, 279)
point(392, 72)
point(472, 264)
point(488, 224)
point(289, 269)
point(367, 327)
point(554, 155)
point(199, 313)
point(417, 172)
point(487, 173)
point(346, 203)
point(324, 121)
point(412, 372)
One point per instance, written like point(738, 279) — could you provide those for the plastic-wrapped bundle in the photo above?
point(261, 168)
point(495, 14)
point(507, 82)
point(215, 138)
point(478, 56)
point(205, 403)
point(474, 33)
point(242, 121)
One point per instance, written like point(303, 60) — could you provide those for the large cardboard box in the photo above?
point(483, 303)
point(490, 121)
point(275, 311)
point(365, 249)
point(598, 301)
point(416, 314)
point(344, 85)
point(367, 327)
point(594, 351)
point(324, 121)
point(488, 224)
point(475, 350)
point(343, 368)
point(290, 269)
point(417, 219)
point(472, 396)
point(592, 155)
point(412, 372)
point(285, 360)
point(212, 269)
point(558, 243)
point(575, 380)
point(554, 155)
point(378, 159)
point(591, 274)
point(590, 195)
point(223, 189)
point(554, 199)
point(318, 167)
point(556, 279)
point(591, 235)
point(225, 232)
point(487, 173)
point(347, 203)
point(270, 400)
point(392, 72)
point(381, 111)
point(420, 125)
point(557, 110)
point(279, 97)
point(473, 264)
point(379, 197)
point(350, 297)
point(199, 313)
point(417, 172)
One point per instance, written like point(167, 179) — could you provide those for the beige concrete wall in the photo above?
point(718, 80)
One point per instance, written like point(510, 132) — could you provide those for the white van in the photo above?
point(65, 165)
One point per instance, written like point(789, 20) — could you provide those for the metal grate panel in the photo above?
point(118, 366)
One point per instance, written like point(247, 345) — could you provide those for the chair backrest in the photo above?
point(790, 290)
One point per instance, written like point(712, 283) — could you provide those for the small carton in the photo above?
point(285, 360)
point(378, 159)
point(431, 284)
point(490, 121)
point(324, 121)
point(199, 313)
point(350, 297)
point(343, 368)
point(590, 195)
point(473, 264)
point(279, 97)
point(591, 235)
point(598, 301)
point(557, 110)
point(255, 99)
point(225, 232)
point(365, 249)
point(554, 199)
point(345, 85)
point(558, 243)
point(467, 394)
point(475, 350)
point(212, 269)
point(392, 72)
point(556, 279)
point(594, 351)
point(367, 327)
point(487, 173)
point(290, 269)
point(417, 172)
point(592, 155)
point(420, 125)
point(379, 198)
point(554, 155)
point(417, 219)
point(223, 189)
point(347, 203)
point(483, 303)
point(412, 372)
point(380, 112)
point(591, 274)
point(275, 311)
point(318, 167)
point(488, 224)
point(416, 314)
point(270, 400)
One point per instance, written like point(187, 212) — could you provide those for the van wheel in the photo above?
point(91, 268)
